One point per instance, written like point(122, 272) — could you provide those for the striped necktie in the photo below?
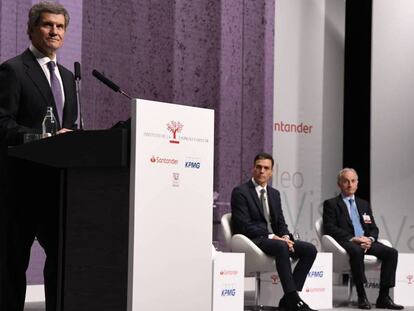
point(56, 90)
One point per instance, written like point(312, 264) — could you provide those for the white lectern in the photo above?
point(171, 199)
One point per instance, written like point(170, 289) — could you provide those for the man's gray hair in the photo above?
point(37, 9)
point(343, 171)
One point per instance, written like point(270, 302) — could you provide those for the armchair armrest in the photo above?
point(385, 242)
point(340, 258)
point(255, 259)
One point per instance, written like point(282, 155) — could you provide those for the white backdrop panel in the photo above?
point(308, 100)
point(392, 126)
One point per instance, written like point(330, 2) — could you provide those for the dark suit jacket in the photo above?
point(337, 222)
point(247, 213)
point(24, 95)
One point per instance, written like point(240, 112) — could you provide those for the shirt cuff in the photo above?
point(271, 236)
point(372, 239)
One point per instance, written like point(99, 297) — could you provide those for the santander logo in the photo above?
point(287, 127)
point(160, 160)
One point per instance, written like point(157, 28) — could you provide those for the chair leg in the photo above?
point(350, 286)
point(257, 291)
point(257, 306)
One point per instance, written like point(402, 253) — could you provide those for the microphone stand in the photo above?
point(78, 98)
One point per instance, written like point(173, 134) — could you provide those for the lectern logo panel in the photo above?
point(175, 127)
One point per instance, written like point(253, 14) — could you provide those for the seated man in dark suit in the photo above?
point(257, 213)
point(349, 220)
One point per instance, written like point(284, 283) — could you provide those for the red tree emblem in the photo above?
point(275, 278)
point(175, 127)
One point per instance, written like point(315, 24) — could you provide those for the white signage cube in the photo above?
point(404, 280)
point(316, 292)
point(228, 282)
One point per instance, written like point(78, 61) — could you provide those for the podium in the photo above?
point(136, 210)
point(93, 170)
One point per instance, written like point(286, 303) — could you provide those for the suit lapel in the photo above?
point(255, 197)
point(270, 202)
point(344, 209)
point(36, 74)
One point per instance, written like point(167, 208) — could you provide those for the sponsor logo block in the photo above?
point(315, 274)
point(174, 127)
point(228, 292)
point(162, 160)
point(190, 164)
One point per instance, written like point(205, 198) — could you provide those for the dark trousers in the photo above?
point(305, 253)
point(387, 255)
point(31, 211)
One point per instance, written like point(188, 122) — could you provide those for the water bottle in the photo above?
point(49, 125)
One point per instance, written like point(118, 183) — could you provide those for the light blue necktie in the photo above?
point(356, 222)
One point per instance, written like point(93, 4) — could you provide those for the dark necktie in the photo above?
point(56, 90)
point(265, 209)
point(356, 222)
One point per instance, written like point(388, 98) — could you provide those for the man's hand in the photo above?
point(287, 240)
point(363, 241)
point(64, 130)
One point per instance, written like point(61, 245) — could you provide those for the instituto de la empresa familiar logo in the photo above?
point(174, 127)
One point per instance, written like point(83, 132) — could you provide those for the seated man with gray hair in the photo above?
point(350, 221)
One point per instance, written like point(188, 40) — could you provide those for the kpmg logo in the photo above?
point(228, 292)
point(174, 127)
point(161, 160)
point(191, 164)
point(372, 283)
point(315, 274)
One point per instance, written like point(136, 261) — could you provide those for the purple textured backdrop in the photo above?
point(204, 53)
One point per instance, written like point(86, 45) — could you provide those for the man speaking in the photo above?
point(29, 83)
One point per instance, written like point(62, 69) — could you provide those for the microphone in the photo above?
point(77, 71)
point(109, 83)
point(78, 89)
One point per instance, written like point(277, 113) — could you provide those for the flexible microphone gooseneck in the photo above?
point(78, 90)
point(109, 83)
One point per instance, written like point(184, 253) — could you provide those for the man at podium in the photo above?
point(29, 83)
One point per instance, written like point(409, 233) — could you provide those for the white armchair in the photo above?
point(256, 261)
point(340, 257)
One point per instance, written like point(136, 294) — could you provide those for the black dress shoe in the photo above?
point(286, 305)
point(363, 303)
point(283, 304)
point(387, 303)
point(307, 306)
point(299, 306)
